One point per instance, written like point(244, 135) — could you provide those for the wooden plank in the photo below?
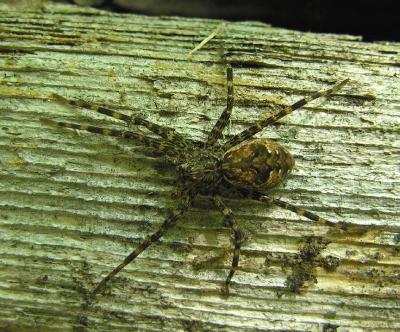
point(72, 205)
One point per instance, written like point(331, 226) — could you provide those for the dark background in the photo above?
point(373, 20)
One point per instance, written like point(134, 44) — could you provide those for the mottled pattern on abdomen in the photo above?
point(259, 164)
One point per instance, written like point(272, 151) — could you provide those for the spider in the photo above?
point(250, 166)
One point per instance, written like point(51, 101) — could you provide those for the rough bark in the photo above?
point(72, 205)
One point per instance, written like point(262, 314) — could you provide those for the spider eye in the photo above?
point(259, 164)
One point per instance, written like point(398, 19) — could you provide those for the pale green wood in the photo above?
point(72, 205)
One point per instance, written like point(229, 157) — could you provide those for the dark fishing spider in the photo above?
point(210, 168)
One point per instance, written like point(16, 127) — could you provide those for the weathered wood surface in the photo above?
point(72, 205)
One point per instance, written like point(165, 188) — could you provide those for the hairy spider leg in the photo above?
point(165, 132)
point(238, 239)
point(154, 143)
point(259, 125)
point(300, 211)
point(168, 223)
point(221, 123)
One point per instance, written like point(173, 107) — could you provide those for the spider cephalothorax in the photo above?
point(203, 168)
point(250, 166)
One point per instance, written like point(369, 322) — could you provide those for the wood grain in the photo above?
point(72, 205)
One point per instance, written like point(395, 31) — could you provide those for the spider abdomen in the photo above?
point(259, 164)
